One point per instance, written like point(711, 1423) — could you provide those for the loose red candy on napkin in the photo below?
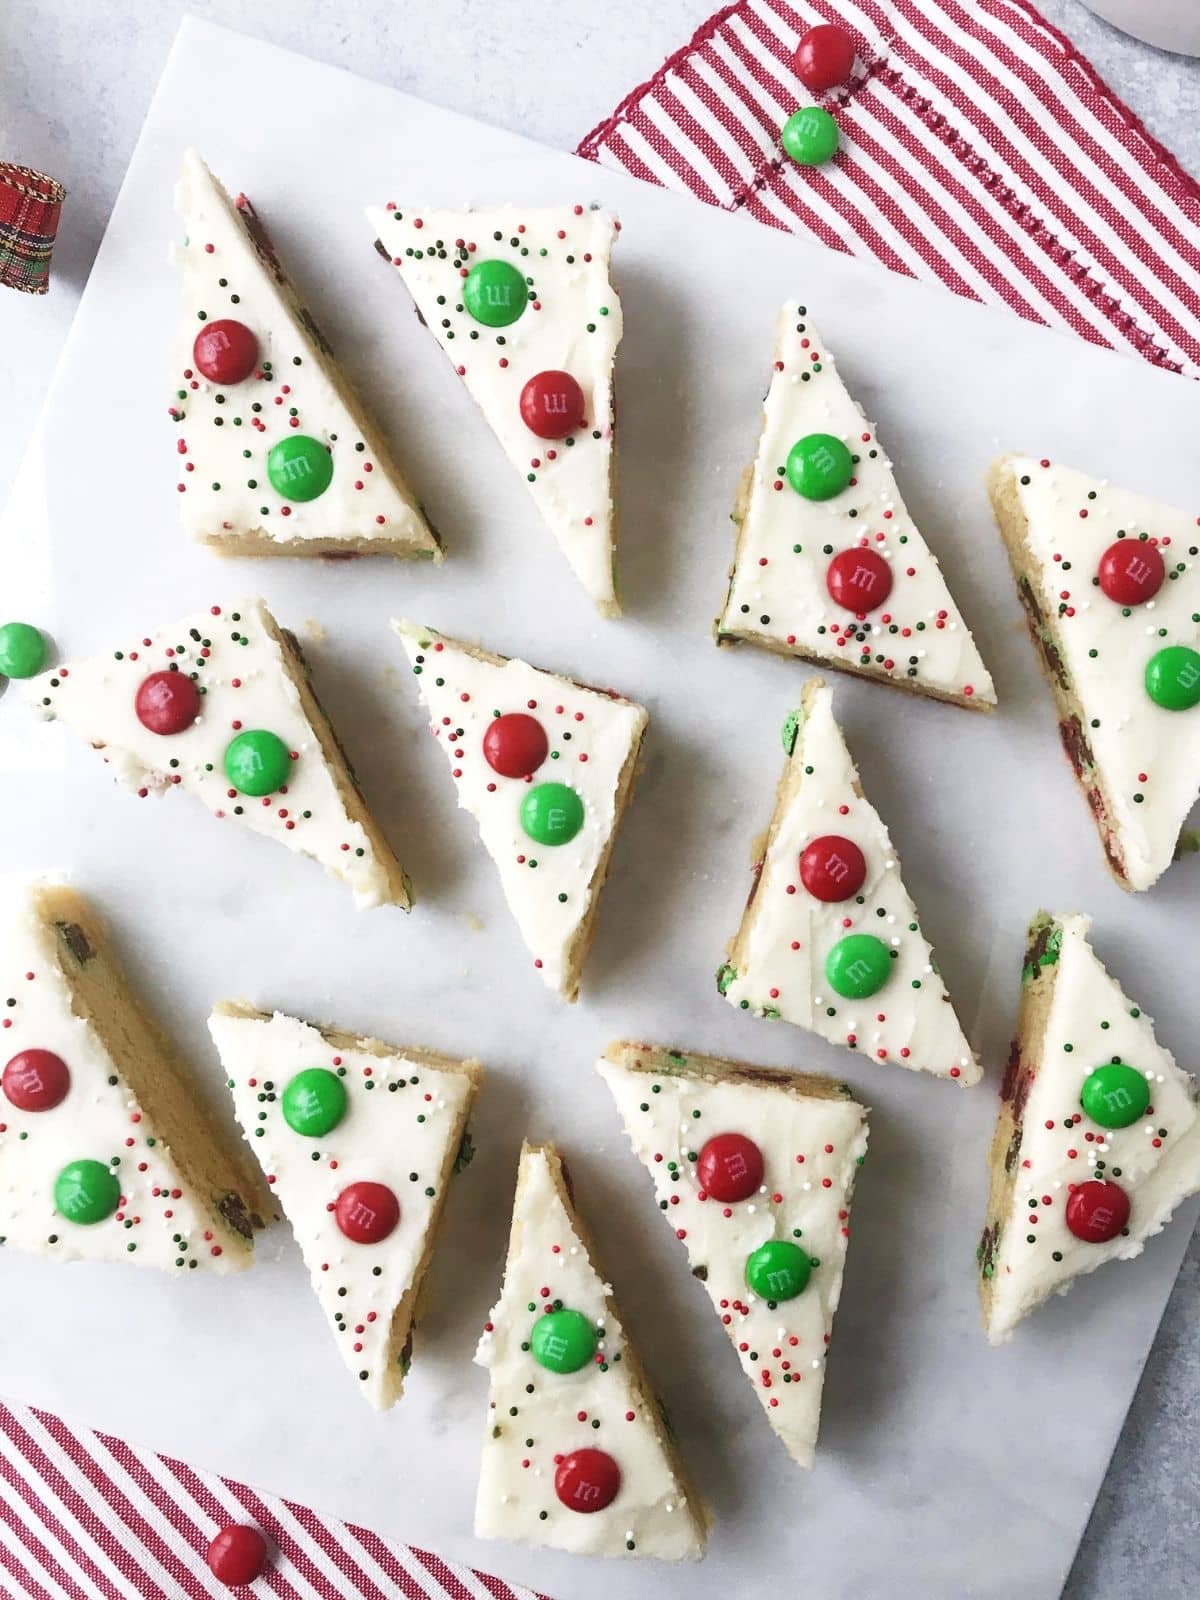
point(237, 1554)
point(824, 57)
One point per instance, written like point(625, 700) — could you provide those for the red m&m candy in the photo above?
point(237, 1554)
point(167, 702)
point(860, 580)
point(36, 1080)
point(515, 745)
point(587, 1480)
point(824, 57)
point(225, 351)
point(730, 1167)
point(1132, 571)
point(366, 1212)
point(552, 405)
point(832, 868)
point(1096, 1211)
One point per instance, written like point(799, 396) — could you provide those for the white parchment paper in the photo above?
point(946, 1469)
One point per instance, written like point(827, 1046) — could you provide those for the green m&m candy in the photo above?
point(1115, 1095)
point(86, 1192)
point(563, 1341)
point(299, 467)
point(551, 813)
point(858, 966)
point(257, 762)
point(819, 466)
point(495, 293)
point(1173, 678)
point(777, 1270)
point(314, 1102)
point(809, 136)
point(22, 650)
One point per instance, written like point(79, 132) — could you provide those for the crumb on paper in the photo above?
point(313, 630)
point(476, 924)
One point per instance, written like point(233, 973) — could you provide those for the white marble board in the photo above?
point(937, 1452)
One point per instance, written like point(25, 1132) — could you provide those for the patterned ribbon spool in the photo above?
point(30, 206)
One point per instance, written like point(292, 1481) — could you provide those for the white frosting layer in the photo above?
point(226, 431)
point(1156, 1160)
point(404, 1119)
point(812, 1149)
point(1148, 757)
point(778, 588)
point(788, 933)
point(573, 324)
point(529, 1432)
point(161, 1220)
point(591, 734)
point(246, 685)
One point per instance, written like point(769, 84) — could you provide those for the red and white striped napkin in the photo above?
point(84, 1516)
point(978, 150)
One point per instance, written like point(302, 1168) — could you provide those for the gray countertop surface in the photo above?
point(75, 79)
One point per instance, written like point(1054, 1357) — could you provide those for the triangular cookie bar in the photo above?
point(829, 565)
point(220, 704)
point(107, 1151)
point(1111, 588)
point(830, 938)
point(545, 766)
point(520, 300)
point(359, 1141)
point(276, 456)
point(754, 1169)
point(1098, 1138)
point(577, 1455)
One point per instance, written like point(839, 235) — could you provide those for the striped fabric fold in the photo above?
point(85, 1516)
point(979, 150)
